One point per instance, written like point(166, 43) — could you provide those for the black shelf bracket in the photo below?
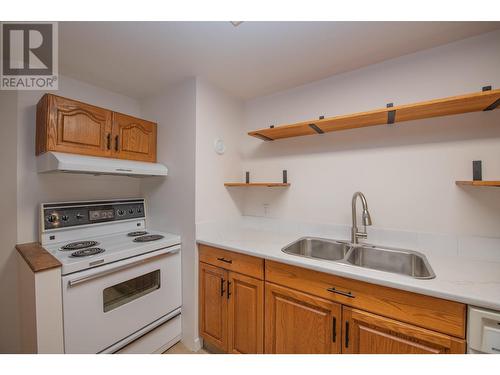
point(263, 137)
point(316, 128)
point(285, 176)
point(493, 105)
point(391, 115)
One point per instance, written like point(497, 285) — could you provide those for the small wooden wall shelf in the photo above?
point(478, 183)
point(259, 184)
point(485, 100)
point(247, 182)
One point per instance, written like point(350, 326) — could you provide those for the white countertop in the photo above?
point(460, 276)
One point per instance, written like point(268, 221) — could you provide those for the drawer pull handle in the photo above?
point(228, 289)
point(109, 141)
point(222, 286)
point(341, 292)
point(347, 334)
point(225, 260)
point(334, 329)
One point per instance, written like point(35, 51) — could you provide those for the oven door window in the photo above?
point(127, 291)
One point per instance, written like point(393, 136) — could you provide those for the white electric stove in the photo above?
point(119, 279)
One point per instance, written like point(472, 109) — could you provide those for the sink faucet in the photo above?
point(355, 235)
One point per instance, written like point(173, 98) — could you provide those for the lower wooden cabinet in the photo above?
point(247, 305)
point(245, 297)
point(367, 333)
point(213, 305)
point(298, 323)
point(231, 314)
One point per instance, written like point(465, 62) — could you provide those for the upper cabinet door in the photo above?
point(299, 323)
point(67, 125)
point(133, 138)
point(366, 333)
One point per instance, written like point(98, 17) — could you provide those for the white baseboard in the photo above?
point(198, 344)
point(193, 345)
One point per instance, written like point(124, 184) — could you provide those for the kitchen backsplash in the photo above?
point(471, 247)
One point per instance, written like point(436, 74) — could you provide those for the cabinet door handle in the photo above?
point(116, 143)
point(109, 141)
point(341, 292)
point(222, 286)
point(228, 289)
point(334, 329)
point(347, 334)
point(225, 260)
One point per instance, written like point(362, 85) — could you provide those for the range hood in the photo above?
point(72, 163)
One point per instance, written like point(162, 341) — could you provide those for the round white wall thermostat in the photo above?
point(219, 146)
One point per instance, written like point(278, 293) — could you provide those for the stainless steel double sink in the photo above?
point(399, 261)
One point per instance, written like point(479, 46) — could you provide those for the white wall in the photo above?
point(218, 116)
point(171, 200)
point(407, 171)
point(9, 317)
point(190, 116)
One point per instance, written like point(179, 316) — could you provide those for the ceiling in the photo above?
point(140, 59)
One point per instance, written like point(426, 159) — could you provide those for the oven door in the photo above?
point(106, 304)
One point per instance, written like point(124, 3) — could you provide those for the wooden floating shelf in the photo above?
point(479, 183)
point(256, 184)
point(479, 101)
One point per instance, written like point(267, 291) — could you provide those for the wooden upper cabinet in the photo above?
point(367, 333)
point(245, 315)
point(213, 305)
point(299, 323)
point(134, 138)
point(67, 125)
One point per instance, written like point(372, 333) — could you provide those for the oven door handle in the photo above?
point(84, 279)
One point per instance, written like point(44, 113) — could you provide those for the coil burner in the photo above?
point(79, 245)
point(148, 238)
point(137, 233)
point(87, 252)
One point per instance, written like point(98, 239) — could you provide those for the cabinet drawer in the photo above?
point(429, 312)
point(232, 261)
point(367, 333)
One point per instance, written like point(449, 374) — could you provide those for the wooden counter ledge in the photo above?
point(37, 257)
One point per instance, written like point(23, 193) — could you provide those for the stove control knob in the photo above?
point(79, 216)
point(120, 212)
point(52, 218)
point(131, 211)
point(139, 210)
point(64, 218)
